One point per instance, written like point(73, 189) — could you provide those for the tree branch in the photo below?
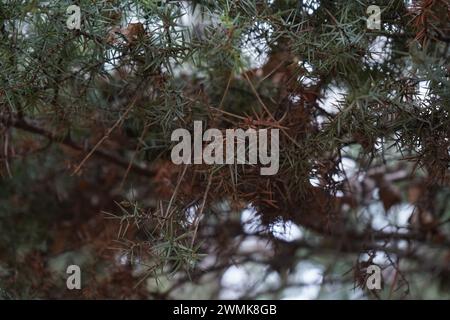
point(25, 125)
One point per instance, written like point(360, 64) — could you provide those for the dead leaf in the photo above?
point(132, 33)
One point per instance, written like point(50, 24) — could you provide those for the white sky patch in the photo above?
point(311, 277)
point(255, 48)
point(233, 280)
point(287, 231)
point(208, 261)
point(250, 278)
point(311, 5)
point(191, 213)
point(379, 221)
point(112, 59)
point(246, 279)
point(305, 79)
point(397, 217)
point(314, 182)
point(379, 51)
point(401, 214)
point(349, 166)
point(308, 81)
point(306, 65)
point(254, 245)
point(331, 98)
point(250, 221)
point(423, 90)
point(379, 258)
point(238, 280)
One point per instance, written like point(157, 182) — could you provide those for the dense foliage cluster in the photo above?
point(86, 117)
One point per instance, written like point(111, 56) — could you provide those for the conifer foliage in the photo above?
point(86, 176)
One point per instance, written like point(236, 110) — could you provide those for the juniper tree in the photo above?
point(86, 117)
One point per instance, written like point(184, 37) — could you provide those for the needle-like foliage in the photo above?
point(86, 117)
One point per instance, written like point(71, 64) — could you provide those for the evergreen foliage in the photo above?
point(86, 117)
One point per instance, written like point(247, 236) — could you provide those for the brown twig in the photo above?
point(106, 136)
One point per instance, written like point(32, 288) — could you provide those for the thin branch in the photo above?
point(25, 125)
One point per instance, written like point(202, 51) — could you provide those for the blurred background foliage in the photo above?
point(86, 177)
